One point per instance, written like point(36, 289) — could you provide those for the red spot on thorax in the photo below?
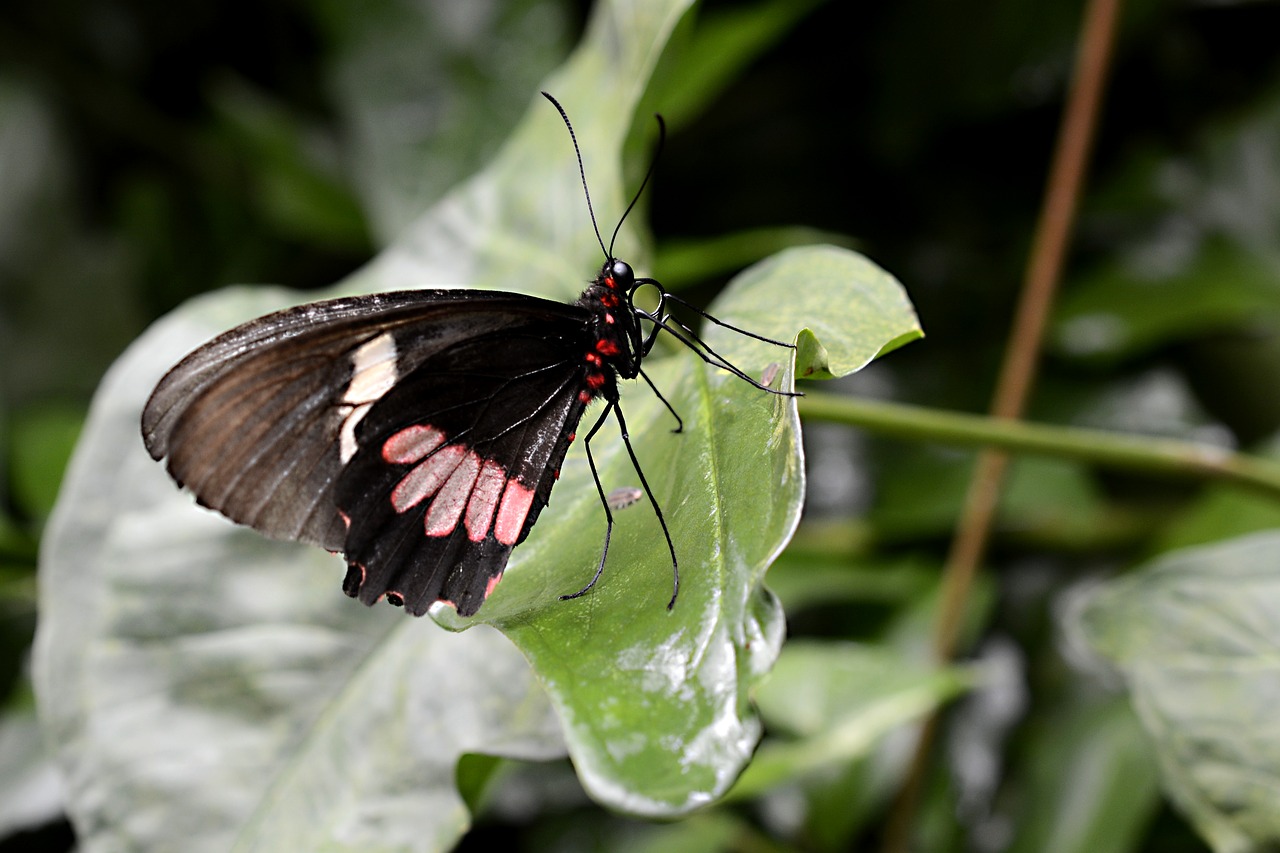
point(609, 300)
point(605, 346)
point(608, 318)
point(585, 396)
point(595, 380)
point(609, 282)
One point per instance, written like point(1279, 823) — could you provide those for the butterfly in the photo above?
point(418, 432)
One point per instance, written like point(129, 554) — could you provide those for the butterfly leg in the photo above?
point(647, 346)
point(695, 309)
point(657, 509)
point(608, 514)
point(690, 339)
point(658, 394)
point(604, 501)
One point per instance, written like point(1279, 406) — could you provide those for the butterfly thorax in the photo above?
point(614, 347)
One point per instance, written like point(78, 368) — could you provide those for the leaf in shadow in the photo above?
point(1195, 634)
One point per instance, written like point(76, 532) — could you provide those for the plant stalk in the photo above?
point(1017, 373)
point(1143, 454)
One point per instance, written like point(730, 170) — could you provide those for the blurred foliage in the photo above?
point(150, 152)
point(1194, 633)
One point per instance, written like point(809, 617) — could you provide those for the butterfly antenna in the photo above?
point(583, 173)
point(653, 164)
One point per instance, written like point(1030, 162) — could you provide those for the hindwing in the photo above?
point(454, 464)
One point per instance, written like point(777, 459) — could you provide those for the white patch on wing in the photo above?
point(452, 498)
point(373, 370)
point(484, 500)
point(426, 478)
point(347, 435)
point(373, 373)
point(412, 444)
point(516, 500)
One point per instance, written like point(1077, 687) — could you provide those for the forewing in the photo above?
point(455, 463)
point(259, 422)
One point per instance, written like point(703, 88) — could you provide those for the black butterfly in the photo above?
point(418, 432)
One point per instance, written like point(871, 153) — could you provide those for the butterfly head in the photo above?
point(617, 275)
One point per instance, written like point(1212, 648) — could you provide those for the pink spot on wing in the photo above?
point(411, 444)
point(452, 498)
point(484, 500)
point(426, 478)
point(493, 581)
point(516, 500)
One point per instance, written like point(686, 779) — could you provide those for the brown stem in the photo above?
point(1017, 373)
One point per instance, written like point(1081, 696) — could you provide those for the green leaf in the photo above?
point(30, 790)
point(849, 309)
point(522, 224)
point(1195, 634)
point(684, 262)
point(928, 488)
point(428, 90)
point(725, 41)
point(1209, 259)
point(297, 186)
point(716, 830)
point(1123, 311)
point(43, 436)
point(839, 700)
point(1084, 781)
point(802, 580)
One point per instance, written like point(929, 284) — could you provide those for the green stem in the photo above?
point(1150, 455)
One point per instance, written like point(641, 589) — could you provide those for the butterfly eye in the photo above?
point(622, 274)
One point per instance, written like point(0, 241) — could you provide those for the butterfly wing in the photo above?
point(454, 464)
point(262, 422)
